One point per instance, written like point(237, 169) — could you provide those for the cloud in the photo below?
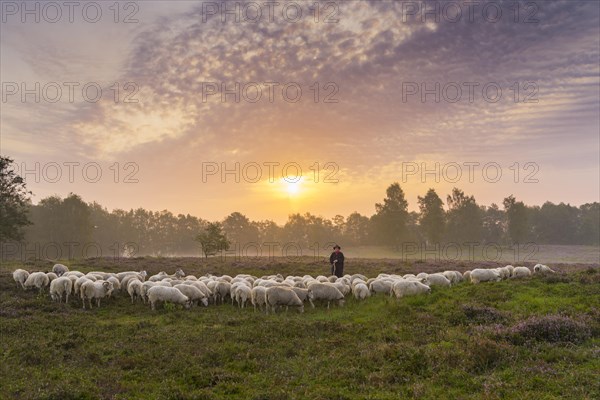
point(368, 56)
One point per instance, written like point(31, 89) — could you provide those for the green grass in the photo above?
point(423, 347)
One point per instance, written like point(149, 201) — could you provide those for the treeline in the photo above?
point(75, 228)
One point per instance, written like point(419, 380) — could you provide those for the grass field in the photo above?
point(465, 342)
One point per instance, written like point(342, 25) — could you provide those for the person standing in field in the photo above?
point(337, 262)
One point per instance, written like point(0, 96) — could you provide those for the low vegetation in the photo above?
point(535, 338)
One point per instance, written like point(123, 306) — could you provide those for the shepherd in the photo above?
point(337, 261)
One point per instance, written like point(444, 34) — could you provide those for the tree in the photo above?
point(14, 202)
point(589, 224)
point(268, 231)
point(239, 229)
point(212, 239)
point(465, 219)
point(493, 224)
point(357, 229)
point(391, 216)
point(433, 217)
point(516, 216)
point(556, 223)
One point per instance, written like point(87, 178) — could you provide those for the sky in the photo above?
point(270, 109)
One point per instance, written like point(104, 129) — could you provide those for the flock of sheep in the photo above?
point(269, 292)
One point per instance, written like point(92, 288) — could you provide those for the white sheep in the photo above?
point(134, 289)
point(75, 273)
point(257, 296)
point(167, 295)
point(242, 295)
point(116, 284)
point(467, 275)
point(357, 276)
point(80, 281)
point(521, 272)
point(282, 296)
point(437, 280)
point(479, 275)
point(140, 275)
point(125, 279)
point(326, 292)
point(193, 293)
point(51, 276)
point(543, 269)
point(453, 276)
point(381, 285)
point(60, 269)
point(361, 291)
point(38, 280)
point(158, 277)
point(404, 288)
point(20, 276)
point(221, 291)
point(302, 293)
point(145, 287)
point(60, 286)
point(95, 290)
point(422, 275)
point(343, 287)
point(202, 286)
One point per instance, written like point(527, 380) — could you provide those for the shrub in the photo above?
point(483, 315)
point(550, 328)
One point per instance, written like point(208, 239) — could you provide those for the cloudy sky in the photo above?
point(161, 98)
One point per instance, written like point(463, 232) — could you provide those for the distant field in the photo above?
point(518, 255)
point(457, 343)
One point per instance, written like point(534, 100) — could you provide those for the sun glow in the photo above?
point(292, 187)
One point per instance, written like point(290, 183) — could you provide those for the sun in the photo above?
point(293, 188)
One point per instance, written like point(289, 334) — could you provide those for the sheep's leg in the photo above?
point(311, 303)
point(152, 304)
point(328, 304)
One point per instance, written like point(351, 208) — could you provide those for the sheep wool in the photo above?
point(59, 287)
point(167, 295)
point(20, 276)
point(479, 275)
point(326, 292)
point(521, 272)
point(404, 288)
point(282, 296)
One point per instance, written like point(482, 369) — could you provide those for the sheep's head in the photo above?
point(143, 273)
point(188, 304)
point(108, 286)
point(179, 273)
point(204, 302)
